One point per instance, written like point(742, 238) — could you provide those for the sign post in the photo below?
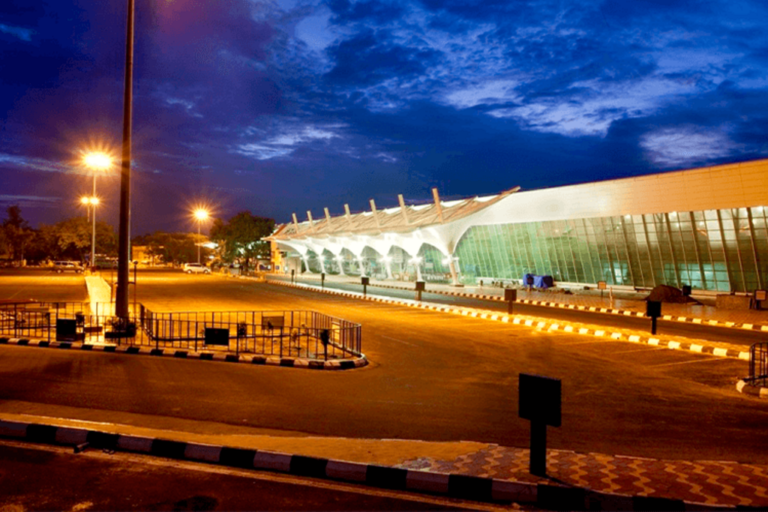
point(420, 287)
point(653, 310)
point(760, 296)
point(293, 274)
point(510, 296)
point(539, 402)
point(601, 286)
point(365, 281)
point(322, 280)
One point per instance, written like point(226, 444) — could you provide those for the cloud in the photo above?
point(23, 163)
point(681, 146)
point(25, 201)
point(25, 34)
point(287, 142)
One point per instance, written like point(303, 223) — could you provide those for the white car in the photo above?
point(67, 266)
point(196, 268)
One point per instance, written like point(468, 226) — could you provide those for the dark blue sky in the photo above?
point(279, 106)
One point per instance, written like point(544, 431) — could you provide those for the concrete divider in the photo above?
point(99, 295)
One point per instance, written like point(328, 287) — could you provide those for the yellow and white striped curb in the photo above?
point(542, 325)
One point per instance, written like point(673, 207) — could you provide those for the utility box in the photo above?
point(66, 329)
point(216, 336)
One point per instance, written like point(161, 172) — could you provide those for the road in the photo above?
point(23, 284)
point(432, 376)
point(53, 478)
point(665, 327)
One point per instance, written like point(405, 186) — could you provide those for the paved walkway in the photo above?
point(589, 298)
point(720, 483)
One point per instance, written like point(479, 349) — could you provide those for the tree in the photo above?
point(17, 232)
point(172, 247)
point(241, 237)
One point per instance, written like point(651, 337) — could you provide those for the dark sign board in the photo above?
point(216, 336)
point(365, 280)
point(653, 309)
point(601, 285)
point(419, 286)
point(761, 295)
point(272, 322)
point(540, 399)
point(510, 295)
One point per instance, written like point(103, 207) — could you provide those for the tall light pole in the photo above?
point(200, 216)
point(90, 204)
point(124, 231)
point(95, 162)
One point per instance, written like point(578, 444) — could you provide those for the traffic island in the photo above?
point(744, 386)
point(289, 362)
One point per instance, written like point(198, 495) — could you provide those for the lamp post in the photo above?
point(124, 231)
point(95, 162)
point(90, 204)
point(200, 216)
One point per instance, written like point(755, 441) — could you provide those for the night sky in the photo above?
point(280, 106)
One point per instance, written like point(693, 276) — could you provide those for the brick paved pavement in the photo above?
point(708, 482)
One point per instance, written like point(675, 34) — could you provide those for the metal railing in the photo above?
point(306, 334)
point(758, 364)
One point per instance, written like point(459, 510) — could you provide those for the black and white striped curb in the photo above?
point(542, 325)
point(593, 309)
point(290, 362)
point(454, 485)
point(744, 387)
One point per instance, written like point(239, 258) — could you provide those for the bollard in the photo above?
point(510, 295)
point(322, 280)
point(365, 281)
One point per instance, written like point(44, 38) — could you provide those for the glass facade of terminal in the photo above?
point(724, 250)
point(718, 250)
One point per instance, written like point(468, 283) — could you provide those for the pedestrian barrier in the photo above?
point(301, 334)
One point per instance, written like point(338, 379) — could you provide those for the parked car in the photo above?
point(196, 268)
point(67, 266)
point(105, 264)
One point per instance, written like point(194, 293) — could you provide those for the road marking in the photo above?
point(645, 349)
point(397, 340)
point(697, 360)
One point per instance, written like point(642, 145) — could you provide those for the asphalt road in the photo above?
point(664, 327)
point(433, 377)
point(53, 478)
point(42, 284)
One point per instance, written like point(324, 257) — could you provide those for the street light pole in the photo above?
point(93, 226)
point(124, 234)
point(198, 241)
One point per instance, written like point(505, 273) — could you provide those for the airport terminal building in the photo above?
point(704, 227)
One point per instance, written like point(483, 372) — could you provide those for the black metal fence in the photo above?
point(758, 364)
point(307, 334)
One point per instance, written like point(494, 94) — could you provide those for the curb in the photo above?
point(743, 387)
point(594, 309)
point(452, 485)
point(290, 362)
point(541, 325)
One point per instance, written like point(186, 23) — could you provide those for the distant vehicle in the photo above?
point(196, 268)
point(67, 266)
point(105, 264)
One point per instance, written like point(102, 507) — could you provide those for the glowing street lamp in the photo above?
point(200, 215)
point(95, 162)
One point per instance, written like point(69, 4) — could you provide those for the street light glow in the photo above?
point(97, 161)
point(201, 214)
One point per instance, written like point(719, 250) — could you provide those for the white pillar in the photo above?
point(322, 263)
point(388, 267)
point(340, 261)
point(360, 263)
point(454, 273)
